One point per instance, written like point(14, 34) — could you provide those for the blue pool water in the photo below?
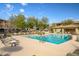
point(54, 38)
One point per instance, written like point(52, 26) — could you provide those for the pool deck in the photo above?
point(30, 47)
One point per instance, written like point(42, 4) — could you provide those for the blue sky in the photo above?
point(55, 12)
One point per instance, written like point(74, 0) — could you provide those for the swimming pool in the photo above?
point(53, 38)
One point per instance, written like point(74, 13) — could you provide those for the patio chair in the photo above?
point(9, 41)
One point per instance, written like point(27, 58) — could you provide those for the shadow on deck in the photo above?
point(12, 49)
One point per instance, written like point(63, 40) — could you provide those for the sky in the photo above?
point(56, 12)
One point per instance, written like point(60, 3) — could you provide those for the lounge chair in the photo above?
point(9, 41)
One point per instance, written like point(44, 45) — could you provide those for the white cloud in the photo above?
point(23, 4)
point(9, 7)
point(21, 10)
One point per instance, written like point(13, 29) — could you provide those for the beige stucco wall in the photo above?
point(57, 30)
point(77, 30)
point(62, 30)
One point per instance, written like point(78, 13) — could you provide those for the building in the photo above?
point(3, 25)
point(72, 28)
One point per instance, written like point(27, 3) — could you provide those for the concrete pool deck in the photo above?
point(30, 47)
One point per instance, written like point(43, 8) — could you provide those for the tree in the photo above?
point(20, 21)
point(43, 23)
point(40, 25)
point(67, 22)
point(12, 21)
point(32, 22)
point(53, 24)
point(17, 22)
point(45, 19)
